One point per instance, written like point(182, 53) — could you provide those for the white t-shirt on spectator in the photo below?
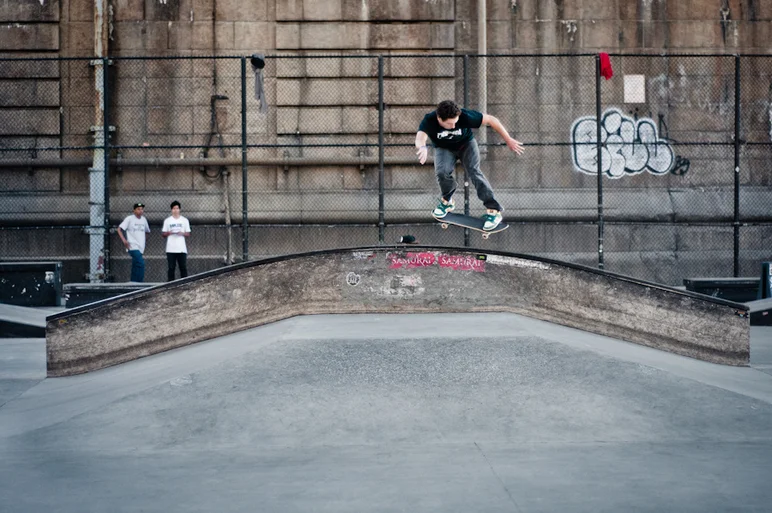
point(135, 231)
point(176, 243)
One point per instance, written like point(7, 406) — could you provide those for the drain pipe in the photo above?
point(482, 68)
point(98, 224)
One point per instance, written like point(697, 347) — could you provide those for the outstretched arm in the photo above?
point(420, 143)
point(495, 124)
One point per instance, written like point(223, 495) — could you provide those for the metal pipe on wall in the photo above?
point(99, 169)
point(482, 68)
point(203, 162)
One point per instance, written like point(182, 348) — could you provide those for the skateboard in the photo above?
point(475, 223)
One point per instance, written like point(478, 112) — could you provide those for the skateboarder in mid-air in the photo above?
point(450, 129)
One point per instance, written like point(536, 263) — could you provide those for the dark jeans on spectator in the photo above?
point(172, 259)
point(137, 266)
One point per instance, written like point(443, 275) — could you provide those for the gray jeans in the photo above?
point(445, 162)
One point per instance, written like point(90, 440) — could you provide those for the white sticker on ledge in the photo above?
point(515, 262)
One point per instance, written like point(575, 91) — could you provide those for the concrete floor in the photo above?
point(424, 412)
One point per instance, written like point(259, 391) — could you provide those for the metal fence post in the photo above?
point(244, 190)
point(106, 128)
point(466, 178)
point(736, 249)
point(381, 203)
point(598, 146)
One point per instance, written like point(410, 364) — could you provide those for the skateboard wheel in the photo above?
point(485, 235)
point(444, 226)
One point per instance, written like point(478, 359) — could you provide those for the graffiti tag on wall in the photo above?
point(630, 146)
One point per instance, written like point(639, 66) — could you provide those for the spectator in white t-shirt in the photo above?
point(175, 229)
point(132, 232)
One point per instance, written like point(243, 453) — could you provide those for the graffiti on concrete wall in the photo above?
point(629, 146)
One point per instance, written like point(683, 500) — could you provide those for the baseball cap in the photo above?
point(137, 205)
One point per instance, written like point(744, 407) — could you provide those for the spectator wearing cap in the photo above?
point(132, 233)
point(176, 228)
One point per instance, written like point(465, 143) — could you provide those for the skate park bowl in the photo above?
point(394, 279)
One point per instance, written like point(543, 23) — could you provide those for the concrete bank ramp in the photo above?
point(394, 279)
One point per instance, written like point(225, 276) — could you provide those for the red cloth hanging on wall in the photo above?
point(605, 66)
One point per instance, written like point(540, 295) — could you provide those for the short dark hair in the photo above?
point(447, 109)
point(175, 204)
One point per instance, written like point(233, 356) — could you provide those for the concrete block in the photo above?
point(405, 119)
point(326, 92)
point(38, 180)
point(202, 9)
point(306, 120)
point(288, 36)
point(442, 89)
point(289, 10)
point(128, 10)
point(156, 37)
point(330, 10)
point(26, 121)
point(28, 93)
point(520, 91)
point(33, 68)
point(242, 10)
point(396, 65)
point(191, 36)
point(167, 68)
point(465, 35)
point(128, 35)
point(413, 177)
point(130, 179)
point(328, 178)
point(408, 91)
point(128, 92)
point(257, 122)
point(600, 34)
point(499, 36)
point(631, 34)
point(227, 121)
point(593, 10)
point(360, 120)
point(526, 9)
point(79, 10)
point(170, 179)
point(443, 35)
point(690, 10)
point(18, 36)
point(695, 34)
point(131, 124)
point(360, 179)
point(525, 35)
point(254, 36)
point(400, 35)
point(386, 10)
point(170, 120)
point(325, 36)
point(177, 91)
point(224, 35)
point(29, 10)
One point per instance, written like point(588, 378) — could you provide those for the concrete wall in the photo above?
point(333, 100)
point(393, 280)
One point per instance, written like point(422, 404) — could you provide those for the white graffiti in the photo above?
point(629, 146)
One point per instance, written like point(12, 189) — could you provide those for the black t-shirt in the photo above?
point(451, 139)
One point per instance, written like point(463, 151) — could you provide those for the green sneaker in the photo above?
point(442, 208)
point(491, 220)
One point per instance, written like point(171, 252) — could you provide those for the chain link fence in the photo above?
point(331, 162)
